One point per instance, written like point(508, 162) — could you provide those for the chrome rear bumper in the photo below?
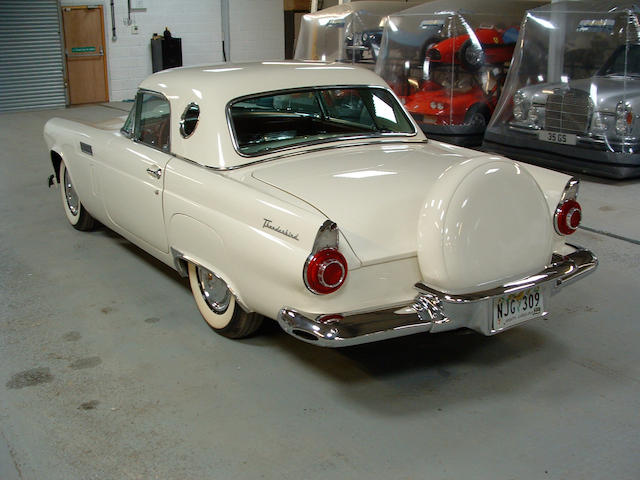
point(431, 310)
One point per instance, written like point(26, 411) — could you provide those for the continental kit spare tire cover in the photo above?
point(483, 223)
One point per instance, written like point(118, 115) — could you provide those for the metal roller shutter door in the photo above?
point(31, 61)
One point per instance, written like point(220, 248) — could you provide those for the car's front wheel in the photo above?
point(77, 215)
point(218, 305)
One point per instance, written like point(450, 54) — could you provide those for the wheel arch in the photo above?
point(56, 160)
point(189, 237)
point(479, 107)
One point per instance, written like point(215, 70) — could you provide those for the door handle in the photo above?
point(155, 172)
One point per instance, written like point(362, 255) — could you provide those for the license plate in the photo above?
point(514, 308)
point(556, 137)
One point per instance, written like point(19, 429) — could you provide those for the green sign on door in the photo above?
point(82, 49)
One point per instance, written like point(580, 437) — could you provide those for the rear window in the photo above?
point(266, 123)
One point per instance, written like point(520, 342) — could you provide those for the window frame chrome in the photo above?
point(137, 107)
point(183, 119)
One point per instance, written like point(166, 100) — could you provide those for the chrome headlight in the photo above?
point(519, 108)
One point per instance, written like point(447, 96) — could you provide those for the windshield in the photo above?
point(262, 124)
point(624, 61)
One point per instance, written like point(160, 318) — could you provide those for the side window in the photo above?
point(189, 120)
point(152, 120)
point(127, 128)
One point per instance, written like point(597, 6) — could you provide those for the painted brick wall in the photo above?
point(196, 22)
point(257, 30)
point(256, 34)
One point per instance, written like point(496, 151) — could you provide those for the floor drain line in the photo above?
point(612, 235)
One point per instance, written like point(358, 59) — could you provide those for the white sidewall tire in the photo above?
point(73, 219)
point(215, 320)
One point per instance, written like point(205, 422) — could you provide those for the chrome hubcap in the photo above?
point(214, 290)
point(473, 55)
point(477, 119)
point(70, 194)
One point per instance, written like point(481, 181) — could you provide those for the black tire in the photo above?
point(478, 115)
point(77, 215)
point(471, 56)
point(222, 314)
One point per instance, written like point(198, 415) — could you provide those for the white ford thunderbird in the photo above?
point(304, 193)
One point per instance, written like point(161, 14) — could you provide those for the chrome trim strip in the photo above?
point(431, 310)
point(303, 152)
point(178, 264)
point(132, 136)
point(570, 190)
point(327, 236)
point(232, 130)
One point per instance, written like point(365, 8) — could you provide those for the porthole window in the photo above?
point(189, 120)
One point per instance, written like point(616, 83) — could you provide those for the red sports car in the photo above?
point(453, 91)
point(452, 97)
point(490, 46)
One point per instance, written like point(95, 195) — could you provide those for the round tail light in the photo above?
point(568, 216)
point(325, 271)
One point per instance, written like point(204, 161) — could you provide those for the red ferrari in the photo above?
point(490, 46)
point(454, 91)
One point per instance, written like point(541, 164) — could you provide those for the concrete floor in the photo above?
point(107, 370)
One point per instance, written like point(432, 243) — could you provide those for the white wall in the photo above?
point(257, 33)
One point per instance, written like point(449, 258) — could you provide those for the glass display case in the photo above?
point(447, 61)
point(351, 32)
point(571, 100)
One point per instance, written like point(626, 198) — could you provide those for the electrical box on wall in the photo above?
point(139, 6)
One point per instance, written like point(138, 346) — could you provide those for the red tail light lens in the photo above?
point(325, 271)
point(568, 216)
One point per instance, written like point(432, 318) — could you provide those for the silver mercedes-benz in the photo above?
point(591, 124)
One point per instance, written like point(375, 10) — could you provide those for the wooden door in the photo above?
point(85, 54)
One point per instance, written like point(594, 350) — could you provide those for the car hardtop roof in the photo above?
point(227, 81)
point(212, 87)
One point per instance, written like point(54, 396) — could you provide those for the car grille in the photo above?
point(568, 112)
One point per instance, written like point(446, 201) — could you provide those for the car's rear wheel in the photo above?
point(218, 305)
point(77, 215)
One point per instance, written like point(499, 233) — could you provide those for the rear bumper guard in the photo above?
point(431, 310)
